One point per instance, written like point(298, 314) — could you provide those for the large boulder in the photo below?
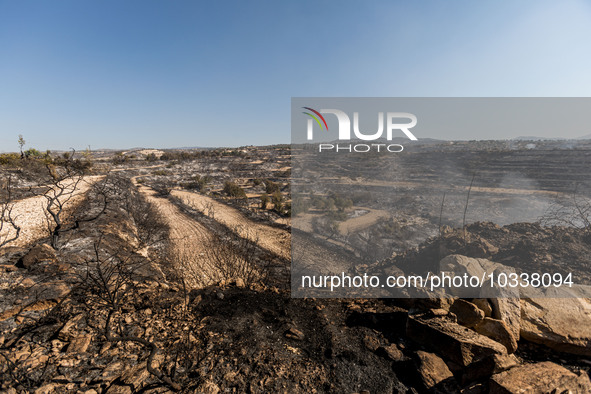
point(461, 265)
point(468, 314)
point(499, 331)
point(434, 373)
point(544, 377)
point(562, 324)
point(484, 305)
point(503, 300)
point(506, 307)
point(456, 343)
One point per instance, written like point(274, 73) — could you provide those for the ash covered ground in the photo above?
point(170, 272)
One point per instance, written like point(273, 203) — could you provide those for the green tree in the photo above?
point(32, 152)
point(233, 190)
point(271, 187)
point(299, 205)
point(21, 143)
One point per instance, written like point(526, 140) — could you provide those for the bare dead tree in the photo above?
point(441, 213)
point(234, 256)
point(109, 283)
point(466, 206)
point(9, 229)
point(573, 211)
point(224, 255)
point(371, 246)
point(154, 350)
point(66, 175)
point(57, 196)
point(107, 276)
point(191, 268)
point(145, 217)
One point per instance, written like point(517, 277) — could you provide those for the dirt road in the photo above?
point(273, 239)
point(316, 255)
point(188, 240)
point(29, 213)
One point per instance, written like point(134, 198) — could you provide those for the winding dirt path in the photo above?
point(273, 239)
point(316, 255)
point(188, 240)
point(29, 213)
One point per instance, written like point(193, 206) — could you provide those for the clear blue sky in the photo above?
point(122, 74)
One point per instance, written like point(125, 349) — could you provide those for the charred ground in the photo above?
point(109, 309)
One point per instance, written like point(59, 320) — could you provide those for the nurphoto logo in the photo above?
point(393, 125)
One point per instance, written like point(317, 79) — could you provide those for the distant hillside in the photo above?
point(535, 138)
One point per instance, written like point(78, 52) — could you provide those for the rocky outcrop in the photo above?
point(562, 324)
point(461, 265)
point(484, 305)
point(504, 302)
point(506, 307)
point(459, 344)
point(468, 314)
point(499, 331)
point(433, 372)
point(544, 377)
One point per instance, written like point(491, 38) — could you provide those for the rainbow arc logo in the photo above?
point(316, 118)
